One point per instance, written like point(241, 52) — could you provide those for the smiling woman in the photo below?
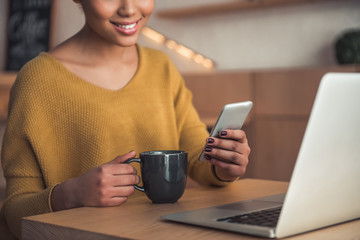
point(105, 46)
point(79, 112)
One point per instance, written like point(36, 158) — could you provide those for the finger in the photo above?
point(238, 135)
point(116, 169)
point(226, 156)
point(113, 201)
point(229, 144)
point(125, 180)
point(123, 158)
point(229, 171)
point(111, 196)
point(123, 191)
point(123, 169)
point(106, 195)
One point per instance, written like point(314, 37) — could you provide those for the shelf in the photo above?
point(234, 5)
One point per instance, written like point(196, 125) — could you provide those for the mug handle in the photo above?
point(138, 160)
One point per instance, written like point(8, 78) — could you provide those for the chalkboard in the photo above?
point(28, 31)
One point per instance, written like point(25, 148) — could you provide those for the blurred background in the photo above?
point(273, 52)
point(292, 33)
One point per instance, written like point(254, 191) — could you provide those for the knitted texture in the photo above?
point(60, 126)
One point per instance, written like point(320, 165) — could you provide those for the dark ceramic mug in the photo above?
point(163, 175)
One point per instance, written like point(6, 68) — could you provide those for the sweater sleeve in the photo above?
point(192, 132)
point(27, 192)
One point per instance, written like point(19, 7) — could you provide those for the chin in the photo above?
point(127, 42)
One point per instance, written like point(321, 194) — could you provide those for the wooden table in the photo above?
point(140, 219)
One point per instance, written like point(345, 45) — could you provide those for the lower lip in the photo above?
point(129, 31)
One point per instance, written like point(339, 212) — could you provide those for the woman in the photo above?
point(76, 110)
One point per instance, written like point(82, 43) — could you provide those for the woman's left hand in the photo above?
point(228, 153)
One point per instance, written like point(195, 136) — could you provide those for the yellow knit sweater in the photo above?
point(60, 126)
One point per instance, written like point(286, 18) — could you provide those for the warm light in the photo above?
point(186, 52)
point(180, 49)
point(157, 37)
point(171, 44)
point(198, 58)
point(208, 63)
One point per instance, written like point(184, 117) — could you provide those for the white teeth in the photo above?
point(127, 26)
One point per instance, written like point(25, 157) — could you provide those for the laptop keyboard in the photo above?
point(265, 218)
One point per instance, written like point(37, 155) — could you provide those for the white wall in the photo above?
point(277, 37)
point(281, 36)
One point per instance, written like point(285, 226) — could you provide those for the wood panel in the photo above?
point(275, 144)
point(6, 81)
point(291, 91)
point(212, 91)
point(283, 102)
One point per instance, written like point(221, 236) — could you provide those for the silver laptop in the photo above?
point(325, 184)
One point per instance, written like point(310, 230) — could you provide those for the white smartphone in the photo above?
point(232, 116)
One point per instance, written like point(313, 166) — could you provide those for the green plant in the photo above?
point(347, 47)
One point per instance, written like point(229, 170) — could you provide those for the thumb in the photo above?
point(123, 158)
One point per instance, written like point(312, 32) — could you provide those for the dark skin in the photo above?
point(229, 154)
point(107, 185)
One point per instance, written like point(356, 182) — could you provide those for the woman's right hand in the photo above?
point(107, 185)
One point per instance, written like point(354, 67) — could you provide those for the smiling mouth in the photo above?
point(125, 26)
point(129, 26)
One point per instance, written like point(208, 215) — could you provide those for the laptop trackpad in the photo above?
point(253, 205)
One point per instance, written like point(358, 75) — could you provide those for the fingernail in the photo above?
point(223, 133)
point(208, 149)
point(210, 140)
point(207, 157)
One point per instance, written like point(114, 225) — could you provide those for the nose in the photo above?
point(126, 8)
